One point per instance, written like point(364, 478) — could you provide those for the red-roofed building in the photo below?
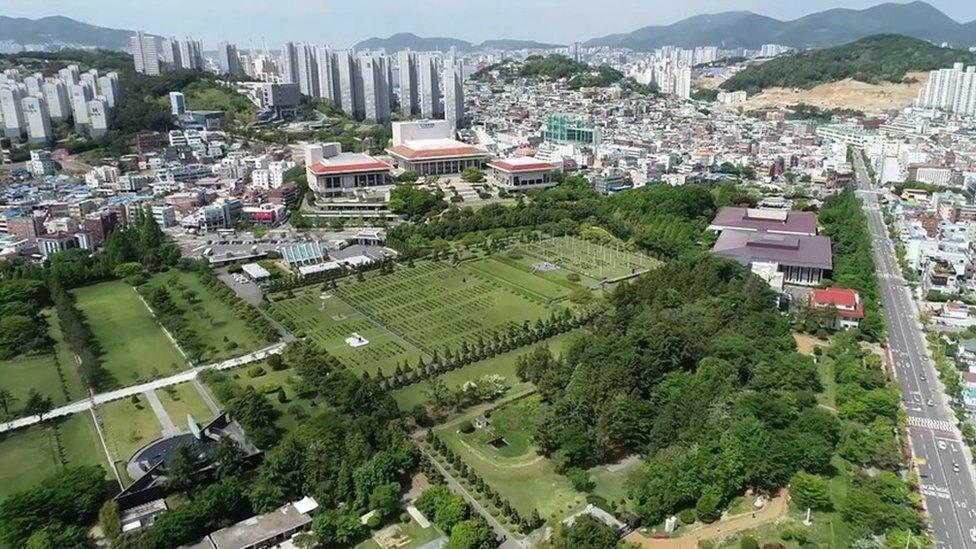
point(521, 173)
point(845, 306)
point(428, 147)
point(331, 172)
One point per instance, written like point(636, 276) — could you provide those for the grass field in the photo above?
point(128, 426)
point(520, 278)
point(27, 456)
point(20, 374)
point(218, 326)
point(133, 347)
point(529, 481)
point(610, 483)
point(418, 536)
point(436, 305)
point(330, 326)
point(180, 400)
point(503, 365)
point(599, 261)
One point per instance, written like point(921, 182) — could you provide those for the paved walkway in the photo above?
point(102, 398)
point(723, 528)
point(169, 428)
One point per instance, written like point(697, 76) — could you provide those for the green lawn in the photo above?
point(20, 374)
point(224, 333)
point(133, 346)
point(28, 455)
point(518, 277)
point(128, 426)
point(438, 306)
point(529, 481)
point(599, 261)
point(330, 325)
point(503, 365)
point(611, 484)
point(418, 536)
point(180, 400)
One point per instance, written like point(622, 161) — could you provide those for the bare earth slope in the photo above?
point(848, 94)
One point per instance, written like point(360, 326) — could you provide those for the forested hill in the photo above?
point(883, 57)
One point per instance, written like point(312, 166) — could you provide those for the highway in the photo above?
point(942, 458)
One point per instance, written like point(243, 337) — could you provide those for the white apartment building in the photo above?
point(145, 54)
point(38, 119)
point(950, 90)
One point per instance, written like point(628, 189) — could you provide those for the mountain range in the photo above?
point(731, 29)
point(406, 40)
point(743, 29)
point(61, 31)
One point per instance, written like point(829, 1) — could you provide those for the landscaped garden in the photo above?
point(503, 455)
point(598, 261)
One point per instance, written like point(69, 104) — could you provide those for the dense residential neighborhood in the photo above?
point(424, 293)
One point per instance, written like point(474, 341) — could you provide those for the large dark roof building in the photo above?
point(774, 240)
point(767, 220)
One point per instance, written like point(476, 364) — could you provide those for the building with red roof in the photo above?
point(428, 147)
point(844, 304)
point(331, 172)
point(521, 173)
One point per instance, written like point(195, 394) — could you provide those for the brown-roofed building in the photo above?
point(428, 147)
point(803, 260)
point(331, 172)
point(521, 173)
point(768, 220)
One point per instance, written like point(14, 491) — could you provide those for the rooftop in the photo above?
point(521, 164)
point(748, 247)
point(260, 528)
point(434, 148)
point(770, 220)
point(847, 301)
point(348, 163)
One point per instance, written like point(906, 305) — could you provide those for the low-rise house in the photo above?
point(844, 307)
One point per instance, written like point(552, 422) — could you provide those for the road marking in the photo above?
point(936, 492)
point(933, 424)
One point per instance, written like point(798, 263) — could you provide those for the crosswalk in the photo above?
point(927, 423)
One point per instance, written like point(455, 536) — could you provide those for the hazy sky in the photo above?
point(345, 22)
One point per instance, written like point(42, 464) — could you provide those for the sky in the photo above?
point(343, 23)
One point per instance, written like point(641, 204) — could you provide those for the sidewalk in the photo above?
point(176, 379)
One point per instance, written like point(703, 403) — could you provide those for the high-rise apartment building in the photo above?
point(108, 88)
point(950, 90)
point(308, 72)
point(375, 74)
point(37, 118)
point(12, 110)
point(289, 64)
point(328, 76)
point(80, 95)
point(100, 117)
point(428, 67)
point(454, 92)
point(229, 60)
point(409, 84)
point(350, 92)
point(56, 95)
point(191, 54)
point(145, 53)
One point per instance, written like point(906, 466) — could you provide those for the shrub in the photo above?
point(687, 516)
point(255, 371)
point(466, 427)
point(275, 363)
point(374, 522)
point(405, 518)
point(580, 480)
point(573, 277)
point(749, 542)
point(598, 501)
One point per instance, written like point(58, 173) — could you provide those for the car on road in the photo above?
point(942, 445)
point(972, 534)
point(929, 402)
point(955, 467)
point(922, 377)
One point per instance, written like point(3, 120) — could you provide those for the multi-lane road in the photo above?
point(942, 459)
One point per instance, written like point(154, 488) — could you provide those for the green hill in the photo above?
point(883, 57)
